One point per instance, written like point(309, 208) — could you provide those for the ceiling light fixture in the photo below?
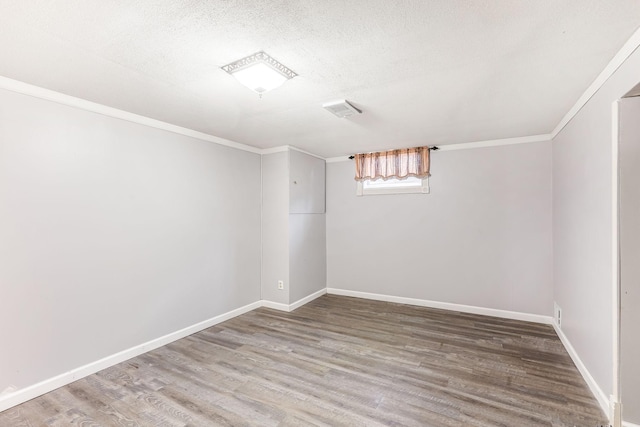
point(259, 72)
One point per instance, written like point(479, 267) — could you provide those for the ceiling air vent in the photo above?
point(341, 108)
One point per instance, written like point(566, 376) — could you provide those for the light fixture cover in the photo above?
point(259, 72)
point(341, 108)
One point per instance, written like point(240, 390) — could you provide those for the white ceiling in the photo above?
point(423, 71)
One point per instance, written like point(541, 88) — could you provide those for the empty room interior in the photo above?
point(324, 213)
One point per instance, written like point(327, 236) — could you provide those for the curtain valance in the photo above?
point(398, 164)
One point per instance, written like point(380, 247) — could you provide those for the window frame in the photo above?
point(421, 188)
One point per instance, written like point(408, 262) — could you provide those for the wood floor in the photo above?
point(337, 361)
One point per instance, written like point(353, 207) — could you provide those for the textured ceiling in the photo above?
point(423, 72)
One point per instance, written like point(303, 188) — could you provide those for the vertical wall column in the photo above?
point(293, 226)
point(275, 227)
point(629, 151)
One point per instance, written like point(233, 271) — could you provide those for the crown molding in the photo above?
point(474, 144)
point(291, 147)
point(273, 150)
point(627, 49)
point(27, 89)
point(283, 148)
point(71, 101)
point(496, 142)
point(337, 159)
point(82, 104)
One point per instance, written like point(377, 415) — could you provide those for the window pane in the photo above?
point(411, 181)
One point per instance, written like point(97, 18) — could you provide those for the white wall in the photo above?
point(293, 226)
point(481, 238)
point(113, 234)
point(306, 183)
point(307, 225)
point(629, 255)
point(308, 261)
point(582, 225)
point(275, 227)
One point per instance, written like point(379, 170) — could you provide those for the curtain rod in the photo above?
point(434, 148)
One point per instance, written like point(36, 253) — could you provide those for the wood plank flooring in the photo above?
point(337, 361)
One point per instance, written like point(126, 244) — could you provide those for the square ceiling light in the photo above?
point(259, 72)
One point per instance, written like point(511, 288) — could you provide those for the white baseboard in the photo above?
point(8, 400)
point(10, 397)
point(527, 317)
point(17, 397)
point(307, 299)
point(593, 386)
point(600, 396)
point(627, 424)
point(293, 306)
point(275, 305)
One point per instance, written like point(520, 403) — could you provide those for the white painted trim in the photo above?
point(291, 147)
point(337, 159)
point(273, 150)
point(615, 259)
point(71, 101)
point(472, 145)
point(20, 87)
point(362, 190)
point(60, 98)
point(22, 395)
point(548, 320)
point(627, 49)
point(505, 314)
point(12, 398)
point(284, 148)
point(496, 142)
point(593, 386)
point(297, 304)
point(600, 396)
point(275, 305)
point(307, 299)
point(83, 104)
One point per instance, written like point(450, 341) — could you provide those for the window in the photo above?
point(399, 171)
point(410, 184)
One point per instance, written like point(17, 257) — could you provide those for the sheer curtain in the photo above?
point(397, 164)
